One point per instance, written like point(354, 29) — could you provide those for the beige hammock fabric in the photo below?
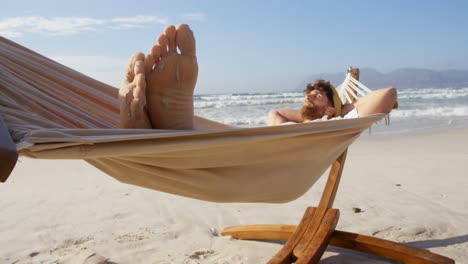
point(53, 112)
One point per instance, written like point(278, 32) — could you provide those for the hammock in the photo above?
point(53, 112)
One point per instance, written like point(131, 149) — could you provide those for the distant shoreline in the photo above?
point(401, 78)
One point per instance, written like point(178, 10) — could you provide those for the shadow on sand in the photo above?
point(346, 256)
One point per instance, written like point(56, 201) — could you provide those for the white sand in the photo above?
point(66, 211)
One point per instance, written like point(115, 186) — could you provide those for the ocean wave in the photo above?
point(246, 102)
point(433, 93)
point(250, 94)
point(457, 111)
point(244, 121)
point(241, 97)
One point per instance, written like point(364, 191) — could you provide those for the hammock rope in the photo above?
point(351, 90)
point(353, 87)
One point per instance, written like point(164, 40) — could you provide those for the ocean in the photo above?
point(419, 110)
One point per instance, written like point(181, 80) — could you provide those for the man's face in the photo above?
point(315, 105)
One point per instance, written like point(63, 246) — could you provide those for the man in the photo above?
point(157, 91)
point(320, 99)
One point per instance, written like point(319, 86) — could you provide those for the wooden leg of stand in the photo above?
point(386, 249)
point(274, 232)
point(260, 232)
point(326, 202)
point(367, 244)
point(316, 247)
point(285, 255)
point(313, 250)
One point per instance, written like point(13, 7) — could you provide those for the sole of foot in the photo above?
point(171, 72)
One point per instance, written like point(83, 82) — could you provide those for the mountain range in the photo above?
point(400, 78)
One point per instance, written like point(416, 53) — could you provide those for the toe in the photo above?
point(139, 90)
point(149, 64)
point(185, 40)
point(130, 68)
point(139, 80)
point(155, 51)
point(170, 32)
point(139, 67)
point(162, 41)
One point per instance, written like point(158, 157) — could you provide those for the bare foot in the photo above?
point(132, 97)
point(171, 79)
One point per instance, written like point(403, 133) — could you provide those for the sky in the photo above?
point(246, 46)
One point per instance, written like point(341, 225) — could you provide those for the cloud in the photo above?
point(10, 34)
point(136, 21)
point(18, 26)
point(194, 17)
point(140, 20)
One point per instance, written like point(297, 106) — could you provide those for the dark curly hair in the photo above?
point(323, 86)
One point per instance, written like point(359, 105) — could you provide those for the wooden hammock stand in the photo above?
point(307, 241)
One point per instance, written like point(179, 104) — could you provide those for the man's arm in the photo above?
point(283, 115)
point(376, 102)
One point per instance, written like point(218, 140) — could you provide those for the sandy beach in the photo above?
point(411, 189)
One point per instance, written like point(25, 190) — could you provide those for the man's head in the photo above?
point(318, 101)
